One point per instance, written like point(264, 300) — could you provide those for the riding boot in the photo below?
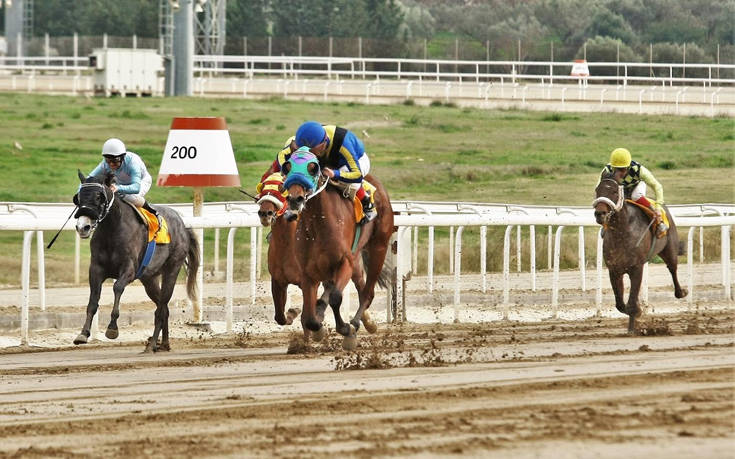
point(150, 209)
point(369, 209)
point(661, 227)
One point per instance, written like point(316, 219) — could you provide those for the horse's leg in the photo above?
point(633, 309)
point(358, 278)
point(377, 250)
point(323, 301)
point(118, 287)
point(278, 291)
point(670, 255)
point(308, 314)
point(96, 276)
point(616, 281)
point(153, 290)
point(342, 276)
point(168, 282)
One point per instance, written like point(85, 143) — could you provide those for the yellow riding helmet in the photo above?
point(620, 157)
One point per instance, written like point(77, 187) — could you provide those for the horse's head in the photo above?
point(271, 199)
point(93, 201)
point(302, 174)
point(609, 198)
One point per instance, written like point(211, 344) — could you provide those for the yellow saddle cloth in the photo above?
point(359, 213)
point(161, 234)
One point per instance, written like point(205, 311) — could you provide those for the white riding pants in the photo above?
point(364, 164)
point(638, 191)
point(139, 199)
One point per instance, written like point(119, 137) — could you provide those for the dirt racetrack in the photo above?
point(552, 389)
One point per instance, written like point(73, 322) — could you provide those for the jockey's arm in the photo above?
point(352, 149)
point(651, 181)
point(134, 186)
point(353, 174)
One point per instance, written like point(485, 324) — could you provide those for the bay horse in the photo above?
point(324, 239)
point(118, 245)
point(628, 244)
point(283, 264)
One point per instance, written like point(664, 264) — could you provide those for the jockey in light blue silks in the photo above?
point(133, 179)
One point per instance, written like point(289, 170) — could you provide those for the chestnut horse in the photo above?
point(629, 243)
point(325, 243)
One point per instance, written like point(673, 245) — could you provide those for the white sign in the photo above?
point(580, 68)
point(198, 153)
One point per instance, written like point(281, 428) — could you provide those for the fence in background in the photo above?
point(36, 219)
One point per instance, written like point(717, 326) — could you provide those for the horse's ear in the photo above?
point(82, 178)
point(286, 168)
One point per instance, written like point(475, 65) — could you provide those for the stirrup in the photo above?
point(369, 215)
point(662, 228)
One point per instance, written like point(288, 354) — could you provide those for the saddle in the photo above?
point(156, 229)
point(652, 215)
point(348, 193)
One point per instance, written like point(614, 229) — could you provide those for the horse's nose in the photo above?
point(599, 216)
point(295, 203)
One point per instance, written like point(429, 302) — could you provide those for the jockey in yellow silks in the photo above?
point(634, 177)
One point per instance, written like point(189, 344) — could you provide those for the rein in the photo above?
point(320, 189)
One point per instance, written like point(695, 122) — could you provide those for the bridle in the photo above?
point(105, 207)
point(614, 206)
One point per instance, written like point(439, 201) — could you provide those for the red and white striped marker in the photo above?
point(198, 154)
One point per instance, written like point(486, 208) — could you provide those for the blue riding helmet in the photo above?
point(310, 134)
point(299, 172)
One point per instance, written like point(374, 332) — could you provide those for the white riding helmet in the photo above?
point(113, 147)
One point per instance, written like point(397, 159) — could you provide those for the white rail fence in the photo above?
point(231, 216)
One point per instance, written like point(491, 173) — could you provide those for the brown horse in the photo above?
point(324, 238)
point(283, 264)
point(629, 243)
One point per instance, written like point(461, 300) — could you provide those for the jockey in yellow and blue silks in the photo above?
point(342, 158)
point(634, 177)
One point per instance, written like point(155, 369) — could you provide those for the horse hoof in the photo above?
point(320, 334)
point(368, 322)
point(631, 326)
point(292, 314)
point(684, 292)
point(112, 333)
point(164, 347)
point(81, 339)
point(349, 343)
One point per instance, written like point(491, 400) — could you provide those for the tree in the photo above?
point(608, 24)
point(247, 18)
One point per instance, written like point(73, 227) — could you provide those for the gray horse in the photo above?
point(118, 247)
point(628, 244)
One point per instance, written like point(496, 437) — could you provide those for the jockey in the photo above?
point(343, 159)
point(634, 177)
point(133, 179)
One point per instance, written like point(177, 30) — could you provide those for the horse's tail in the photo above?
point(386, 273)
point(192, 265)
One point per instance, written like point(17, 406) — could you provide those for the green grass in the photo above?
point(440, 152)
